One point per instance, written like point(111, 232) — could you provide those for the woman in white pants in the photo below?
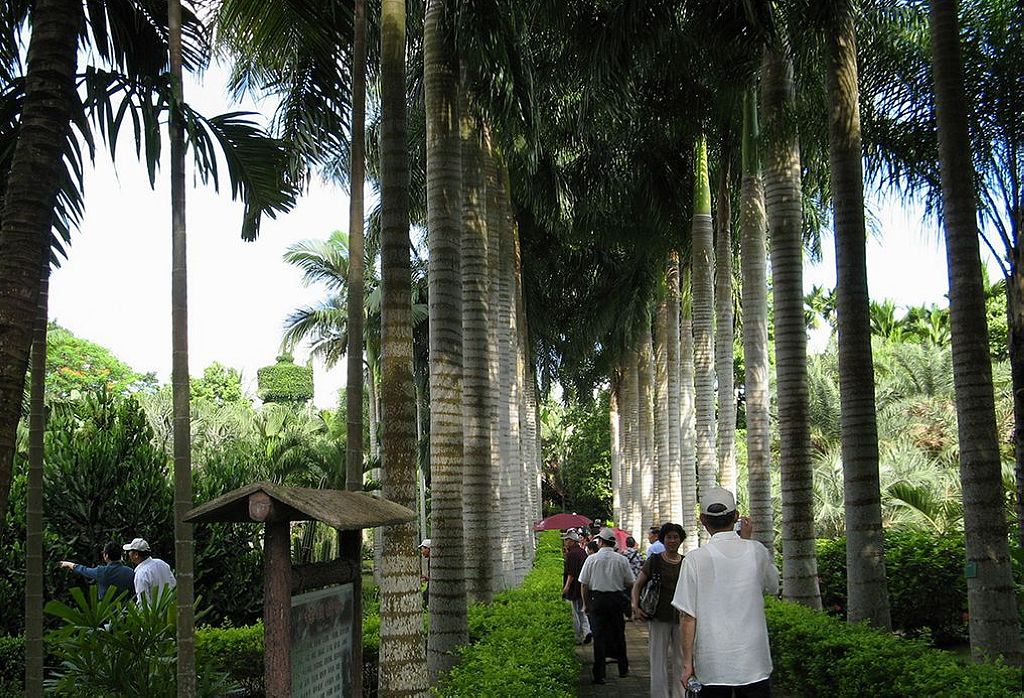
point(663, 625)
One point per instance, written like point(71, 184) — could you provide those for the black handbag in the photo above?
point(651, 593)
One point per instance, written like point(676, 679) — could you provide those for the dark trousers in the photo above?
point(760, 689)
point(609, 630)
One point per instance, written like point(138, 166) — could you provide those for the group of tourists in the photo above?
point(143, 580)
point(704, 610)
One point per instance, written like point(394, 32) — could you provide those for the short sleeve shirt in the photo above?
point(606, 570)
point(722, 585)
point(574, 560)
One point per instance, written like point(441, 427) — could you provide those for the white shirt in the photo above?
point(606, 570)
point(722, 585)
point(655, 548)
point(152, 575)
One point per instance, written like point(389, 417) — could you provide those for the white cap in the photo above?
point(137, 544)
point(571, 535)
point(425, 543)
point(717, 501)
point(606, 534)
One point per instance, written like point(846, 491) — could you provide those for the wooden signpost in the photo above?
point(276, 506)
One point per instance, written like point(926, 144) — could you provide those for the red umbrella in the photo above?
point(620, 538)
point(561, 522)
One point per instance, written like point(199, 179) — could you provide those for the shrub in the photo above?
point(524, 639)
point(12, 665)
point(927, 589)
point(815, 654)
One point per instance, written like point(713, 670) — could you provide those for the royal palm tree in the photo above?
point(783, 205)
point(687, 415)
point(402, 657)
point(665, 473)
point(753, 259)
point(867, 594)
point(648, 446)
point(702, 254)
point(724, 333)
point(476, 355)
point(448, 625)
point(672, 309)
point(994, 623)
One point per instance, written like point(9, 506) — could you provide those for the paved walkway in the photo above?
point(638, 683)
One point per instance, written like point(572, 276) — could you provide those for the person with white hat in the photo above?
point(720, 598)
point(424, 548)
point(151, 574)
point(603, 579)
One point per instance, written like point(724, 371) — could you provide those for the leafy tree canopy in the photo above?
point(75, 365)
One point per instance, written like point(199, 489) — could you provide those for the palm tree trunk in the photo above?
point(703, 251)
point(724, 332)
point(354, 356)
point(687, 416)
point(867, 594)
point(448, 625)
point(994, 623)
point(373, 399)
point(356, 276)
point(1015, 324)
point(510, 375)
point(402, 660)
point(637, 446)
point(664, 475)
point(34, 650)
point(753, 264)
point(627, 432)
point(672, 472)
point(615, 447)
point(649, 461)
point(500, 495)
point(476, 352)
point(527, 411)
point(179, 370)
point(32, 185)
point(783, 203)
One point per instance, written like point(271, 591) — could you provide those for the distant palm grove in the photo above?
point(576, 284)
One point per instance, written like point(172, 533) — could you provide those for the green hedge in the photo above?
point(815, 655)
point(524, 643)
point(285, 382)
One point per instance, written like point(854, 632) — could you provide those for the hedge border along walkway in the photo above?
point(522, 643)
point(815, 654)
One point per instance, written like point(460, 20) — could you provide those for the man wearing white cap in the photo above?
point(151, 574)
point(573, 558)
point(424, 548)
point(720, 597)
point(604, 576)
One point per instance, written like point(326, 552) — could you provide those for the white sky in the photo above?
point(115, 287)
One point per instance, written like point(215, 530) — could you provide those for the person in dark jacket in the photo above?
point(111, 574)
point(574, 559)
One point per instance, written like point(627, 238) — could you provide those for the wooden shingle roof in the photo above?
point(340, 509)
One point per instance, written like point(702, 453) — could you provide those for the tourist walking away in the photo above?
point(151, 574)
point(720, 598)
point(604, 578)
point(655, 546)
point(661, 572)
point(112, 574)
point(633, 556)
point(575, 556)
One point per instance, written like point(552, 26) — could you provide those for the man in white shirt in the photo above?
point(151, 574)
point(655, 546)
point(720, 597)
point(604, 576)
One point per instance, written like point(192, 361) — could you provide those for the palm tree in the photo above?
point(402, 659)
point(664, 474)
point(183, 551)
point(724, 333)
point(354, 381)
point(649, 450)
point(703, 265)
point(31, 195)
point(448, 625)
point(34, 650)
point(783, 205)
point(615, 437)
point(868, 597)
point(476, 355)
point(994, 623)
point(755, 329)
point(672, 308)
point(687, 415)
